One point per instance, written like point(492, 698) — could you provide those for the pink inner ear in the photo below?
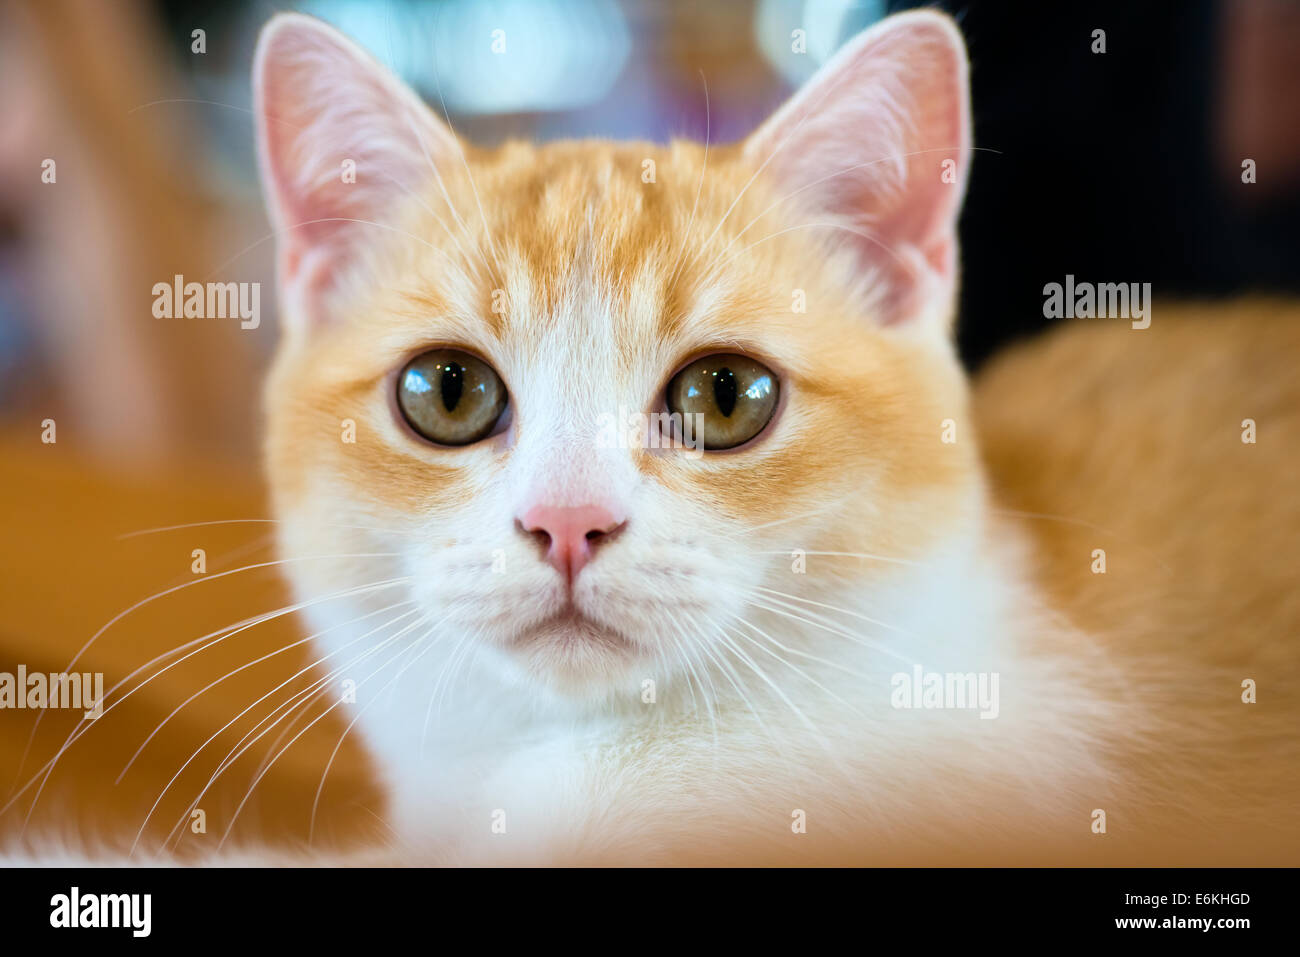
point(864, 144)
point(322, 102)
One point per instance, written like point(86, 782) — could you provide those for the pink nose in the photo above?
point(570, 532)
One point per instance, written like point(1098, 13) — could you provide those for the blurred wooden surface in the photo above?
point(65, 572)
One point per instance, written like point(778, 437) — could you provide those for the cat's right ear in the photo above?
point(341, 144)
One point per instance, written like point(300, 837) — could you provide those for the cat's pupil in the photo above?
point(452, 385)
point(724, 391)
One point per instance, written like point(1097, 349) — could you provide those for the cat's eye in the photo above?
point(733, 396)
point(451, 397)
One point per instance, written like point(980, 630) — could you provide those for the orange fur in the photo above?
point(1098, 436)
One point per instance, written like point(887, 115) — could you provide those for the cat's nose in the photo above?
point(570, 533)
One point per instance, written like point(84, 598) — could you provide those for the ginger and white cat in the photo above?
point(621, 651)
point(568, 643)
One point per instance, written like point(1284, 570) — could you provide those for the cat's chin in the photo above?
point(574, 655)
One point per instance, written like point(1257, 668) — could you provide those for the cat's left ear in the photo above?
point(876, 146)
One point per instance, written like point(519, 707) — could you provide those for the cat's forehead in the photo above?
point(627, 199)
point(630, 245)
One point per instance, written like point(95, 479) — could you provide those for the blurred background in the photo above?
point(1125, 165)
point(1117, 166)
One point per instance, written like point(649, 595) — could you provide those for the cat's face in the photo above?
point(477, 341)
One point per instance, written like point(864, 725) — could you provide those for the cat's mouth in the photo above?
point(571, 626)
point(573, 652)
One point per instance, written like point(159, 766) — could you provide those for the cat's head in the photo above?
point(476, 343)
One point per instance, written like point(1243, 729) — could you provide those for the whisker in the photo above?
point(850, 169)
point(730, 674)
point(708, 124)
point(395, 839)
point(811, 111)
point(461, 643)
point(283, 122)
point(437, 76)
point(431, 636)
point(250, 664)
point(907, 264)
point(84, 724)
point(1067, 520)
point(803, 718)
point(215, 575)
point(223, 728)
point(832, 629)
point(694, 645)
point(313, 691)
point(803, 654)
point(275, 234)
point(424, 149)
point(246, 521)
point(842, 611)
point(186, 99)
point(455, 213)
point(788, 518)
point(866, 555)
point(690, 682)
point(308, 695)
point(235, 816)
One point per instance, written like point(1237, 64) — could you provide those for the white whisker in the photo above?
point(245, 521)
point(235, 816)
point(84, 724)
point(225, 726)
point(708, 124)
point(876, 558)
point(850, 169)
point(842, 611)
point(308, 696)
point(231, 674)
point(798, 713)
point(432, 637)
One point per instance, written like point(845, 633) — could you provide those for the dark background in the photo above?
point(1121, 167)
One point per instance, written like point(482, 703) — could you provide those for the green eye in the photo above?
point(451, 397)
point(733, 395)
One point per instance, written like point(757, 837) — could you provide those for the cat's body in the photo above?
point(1121, 691)
point(1171, 449)
point(1125, 691)
point(716, 676)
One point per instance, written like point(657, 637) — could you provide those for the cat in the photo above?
point(633, 653)
point(813, 600)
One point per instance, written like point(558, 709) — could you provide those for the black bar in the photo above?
point(658, 908)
